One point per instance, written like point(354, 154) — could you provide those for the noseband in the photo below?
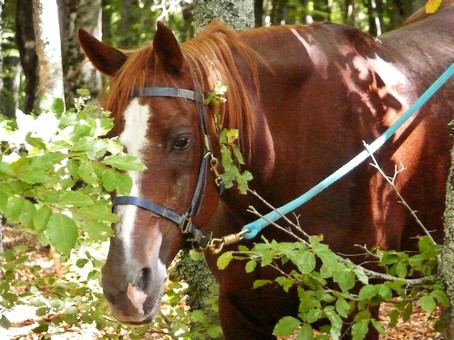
point(182, 221)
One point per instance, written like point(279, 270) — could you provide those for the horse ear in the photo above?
point(166, 48)
point(105, 58)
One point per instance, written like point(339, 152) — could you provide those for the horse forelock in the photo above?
point(212, 56)
point(217, 54)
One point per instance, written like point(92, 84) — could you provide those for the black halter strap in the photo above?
point(183, 221)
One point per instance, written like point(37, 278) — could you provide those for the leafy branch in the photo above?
point(353, 291)
point(231, 157)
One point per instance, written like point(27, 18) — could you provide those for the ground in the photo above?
point(24, 319)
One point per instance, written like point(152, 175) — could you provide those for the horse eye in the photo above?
point(181, 143)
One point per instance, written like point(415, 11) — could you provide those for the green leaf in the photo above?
point(87, 173)
point(305, 333)
point(75, 198)
point(260, 283)
point(393, 317)
point(97, 231)
point(336, 322)
point(378, 326)
point(48, 160)
point(440, 296)
point(286, 326)
point(125, 162)
point(306, 262)
point(385, 292)
point(36, 142)
point(345, 278)
point(96, 212)
point(41, 218)
point(4, 322)
point(112, 180)
point(250, 266)
point(62, 232)
point(285, 282)
point(20, 210)
point(428, 303)
point(342, 307)
point(224, 260)
point(6, 169)
point(360, 328)
point(407, 312)
point(368, 292)
point(28, 173)
point(58, 107)
point(401, 269)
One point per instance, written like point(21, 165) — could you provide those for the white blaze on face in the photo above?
point(134, 138)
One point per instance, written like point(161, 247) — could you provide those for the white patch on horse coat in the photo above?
point(134, 138)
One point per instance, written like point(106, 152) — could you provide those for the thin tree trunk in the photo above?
point(321, 10)
point(238, 14)
point(375, 12)
point(2, 2)
point(258, 13)
point(77, 74)
point(25, 40)
point(446, 269)
point(48, 48)
point(349, 12)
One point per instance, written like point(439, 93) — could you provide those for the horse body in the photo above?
point(304, 99)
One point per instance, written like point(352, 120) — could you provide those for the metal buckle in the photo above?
point(186, 224)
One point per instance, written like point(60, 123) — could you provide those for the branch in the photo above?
point(391, 181)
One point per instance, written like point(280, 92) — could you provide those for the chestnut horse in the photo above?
point(304, 98)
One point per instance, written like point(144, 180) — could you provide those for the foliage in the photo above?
point(52, 175)
point(355, 289)
point(56, 173)
point(232, 158)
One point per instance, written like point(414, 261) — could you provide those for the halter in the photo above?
point(182, 221)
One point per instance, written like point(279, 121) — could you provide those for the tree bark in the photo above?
point(25, 40)
point(48, 48)
point(2, 2)
point(77, 74)
point(238, 14)
point(446, 269)
point(375, 13)
point(10, 64)
point(258, 13)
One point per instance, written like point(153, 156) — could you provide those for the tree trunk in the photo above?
point(25, 40)
point(375, 13)
point(48, 48)
point(447, 257)
point(238, 14)
point(2, 2)
point(77, 74)
point(9, 88)
point(349, 12)
point(321, 10)
point(258, 12)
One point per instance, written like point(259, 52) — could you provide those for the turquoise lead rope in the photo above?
point(252, 229)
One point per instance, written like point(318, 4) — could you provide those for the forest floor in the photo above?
point(23, 319)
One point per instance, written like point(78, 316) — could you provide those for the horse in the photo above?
point(303, 98)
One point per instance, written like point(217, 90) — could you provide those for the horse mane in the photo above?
point(211, 57)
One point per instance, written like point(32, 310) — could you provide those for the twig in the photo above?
point(391, 181)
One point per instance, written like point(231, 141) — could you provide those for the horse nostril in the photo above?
point(144, 278)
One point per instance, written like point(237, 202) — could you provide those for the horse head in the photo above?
point(160, 118)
